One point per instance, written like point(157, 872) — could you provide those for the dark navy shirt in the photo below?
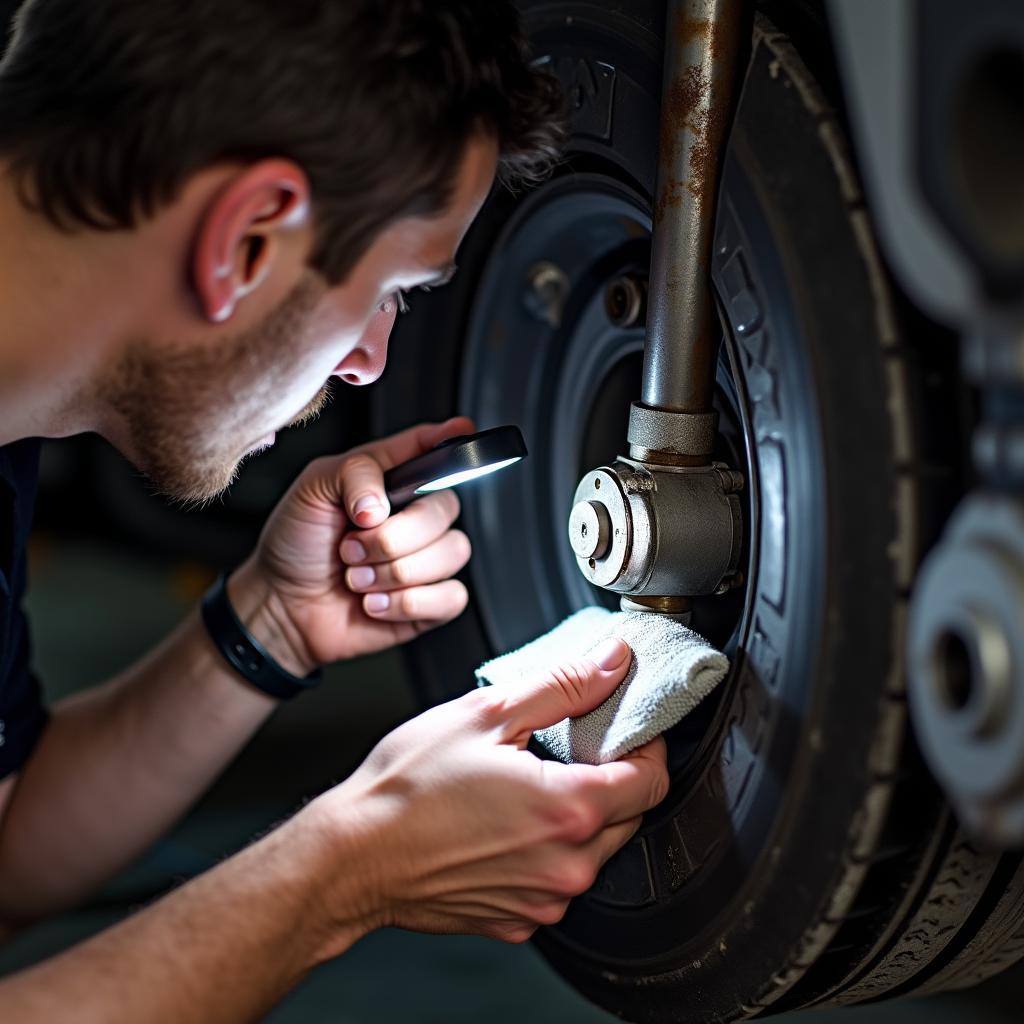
point(22, 715)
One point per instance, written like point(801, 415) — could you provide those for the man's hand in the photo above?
point(338, 576)
point(459, 828)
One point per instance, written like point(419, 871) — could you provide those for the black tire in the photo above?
point(804, 856)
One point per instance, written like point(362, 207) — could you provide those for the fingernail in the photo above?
point(609, 654)
point(362, 578)
point(377, 602)
point(368, 503)
point(352, 551)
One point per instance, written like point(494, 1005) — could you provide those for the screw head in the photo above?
point(589, 529)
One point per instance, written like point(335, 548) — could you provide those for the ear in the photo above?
point(241, 232)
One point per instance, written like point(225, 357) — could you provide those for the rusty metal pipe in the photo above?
point(666, 524)
point(704, 41)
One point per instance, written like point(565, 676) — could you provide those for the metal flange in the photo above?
point(966, 665)
point(643, 530)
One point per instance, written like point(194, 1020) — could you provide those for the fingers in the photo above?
point(405, 533)
point(390, 451)
point(362, 490)
point(568, 691)
point(623, 789)
point(437, 603)
point(612, 839)
point(436, 562)
point(360, 474)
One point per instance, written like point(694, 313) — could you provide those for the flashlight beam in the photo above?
point(454, 479)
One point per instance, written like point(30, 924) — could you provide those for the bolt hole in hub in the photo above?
point(954, 671)
point(562, 356)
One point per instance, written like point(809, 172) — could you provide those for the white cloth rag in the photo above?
point(673, 670)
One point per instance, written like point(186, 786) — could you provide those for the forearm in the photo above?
point(119, 764)
point(223, 948)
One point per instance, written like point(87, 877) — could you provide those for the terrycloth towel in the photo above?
point(673, 670)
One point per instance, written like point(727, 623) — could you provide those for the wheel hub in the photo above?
point(554, 343)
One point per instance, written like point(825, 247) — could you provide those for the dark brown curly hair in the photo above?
point(107, 107)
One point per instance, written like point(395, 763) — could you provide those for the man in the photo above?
point(209, 209)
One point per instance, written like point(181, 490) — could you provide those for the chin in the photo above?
point(192, 482)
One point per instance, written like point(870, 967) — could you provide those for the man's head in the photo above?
point(268, 175)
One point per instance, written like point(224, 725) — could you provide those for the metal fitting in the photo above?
point(678, 608)
point(625, 301)
point(660, 531)
point(547, 289)
point(702, 71)
point(589, 529)
point(674, 528)
point(655, 430)
point(966, 665)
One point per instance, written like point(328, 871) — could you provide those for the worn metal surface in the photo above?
point(671, 530)
point(704, 39)
point(661, 431)
point(678, 608)
point(674, 519)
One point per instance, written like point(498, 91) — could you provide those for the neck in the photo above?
point(57, 323)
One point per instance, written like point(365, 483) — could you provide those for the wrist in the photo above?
point(260, 609)
point(348, 884)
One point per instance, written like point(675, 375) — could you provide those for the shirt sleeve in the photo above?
point(23, 715)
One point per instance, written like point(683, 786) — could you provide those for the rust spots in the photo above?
point(686, 28)
point(697, 104)
point(685, 121)
point(632, 228)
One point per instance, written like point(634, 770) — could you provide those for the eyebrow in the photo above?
point(441, 275)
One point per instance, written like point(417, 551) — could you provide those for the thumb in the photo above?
point(361, 481)
point(572, 689)
point(362, 470)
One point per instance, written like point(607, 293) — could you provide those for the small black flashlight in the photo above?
point(453, 462)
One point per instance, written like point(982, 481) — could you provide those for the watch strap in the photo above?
point(243, 652)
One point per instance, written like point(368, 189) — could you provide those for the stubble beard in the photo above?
point(186, 411)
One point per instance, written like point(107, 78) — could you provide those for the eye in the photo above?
point(401, 299)
point(398, 298)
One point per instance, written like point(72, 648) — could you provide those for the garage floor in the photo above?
point(80, 639)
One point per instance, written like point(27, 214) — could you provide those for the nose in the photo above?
point(365, 363)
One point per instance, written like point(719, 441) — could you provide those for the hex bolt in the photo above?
point(732, 480)
point(625, 301)
point(547, 288)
